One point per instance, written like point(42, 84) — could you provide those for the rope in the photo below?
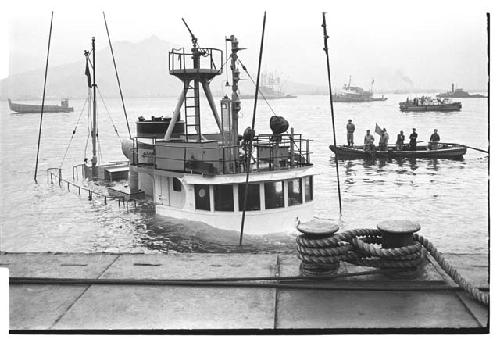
point(116, 73)
point(109, 114)
point(74, 132)
point(253, 129)
point(357, 247)
point(325, 41)
point(260, 92)
point(43, 98)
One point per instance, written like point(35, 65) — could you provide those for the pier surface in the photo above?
point(364, 302)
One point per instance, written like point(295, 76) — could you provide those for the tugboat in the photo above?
point(27, 108)
point(194, 175)
point(428, 104)
point(459, 93)
point(270, 89)
point(355, 94)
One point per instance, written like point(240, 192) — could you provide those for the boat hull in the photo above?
point(451, 151)
point(455, 106)
point(364, 99)
point(26, 108)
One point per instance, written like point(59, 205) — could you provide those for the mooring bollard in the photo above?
point(317, 231)
point(397, 234)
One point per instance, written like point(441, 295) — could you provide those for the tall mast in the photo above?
point(94, 115)
point(235, 99)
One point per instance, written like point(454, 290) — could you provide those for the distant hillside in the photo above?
point(143, 70)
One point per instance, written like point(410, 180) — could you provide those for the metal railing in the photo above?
point(209, 59)
point(269, 153)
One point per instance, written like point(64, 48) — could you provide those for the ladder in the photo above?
point(192, 110)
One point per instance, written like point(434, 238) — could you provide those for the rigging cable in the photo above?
point(107, 111)
point(73, 134)
point(325, 41)
point(262, 94)
point(256, 95)
point(43, 98)
point(117, 77)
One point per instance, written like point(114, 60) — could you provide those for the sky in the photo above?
point(425, 44)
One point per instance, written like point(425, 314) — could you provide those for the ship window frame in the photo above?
point(253, 199)
point(275, 199)
point(294, 198)
point(200, 202)
point(223, 201)
point(176, 184)
point(308, 188)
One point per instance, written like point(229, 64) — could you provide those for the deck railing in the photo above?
point(269, 153)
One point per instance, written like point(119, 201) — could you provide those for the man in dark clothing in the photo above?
point(350, 133)
point(413, 140)
point(434, 140)
point(400, 141)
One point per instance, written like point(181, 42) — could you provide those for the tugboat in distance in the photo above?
point(355, 94)
point(459, 93)
point(270, 88)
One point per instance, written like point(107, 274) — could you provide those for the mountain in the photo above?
point(143, 71)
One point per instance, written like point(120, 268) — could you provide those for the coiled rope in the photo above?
point(358, 247)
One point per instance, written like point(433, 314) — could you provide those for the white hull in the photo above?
point(256, 222)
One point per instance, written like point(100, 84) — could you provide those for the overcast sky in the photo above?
point(430, 43)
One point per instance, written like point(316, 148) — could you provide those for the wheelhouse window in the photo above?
point(308, 181)
point(176, 185)
point(294, 192)
point(253, 197)
point(202, 197)
point(274, 194)
point(223, 198)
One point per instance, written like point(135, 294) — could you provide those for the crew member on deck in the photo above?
point(413, 140)
point(350, 133)
point(384, 139)
point(369, 139)
point(400, 142)
point(434, 140)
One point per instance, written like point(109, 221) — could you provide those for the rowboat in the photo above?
point(27, 108)
point(444, 151)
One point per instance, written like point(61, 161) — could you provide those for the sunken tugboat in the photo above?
point(201, 176)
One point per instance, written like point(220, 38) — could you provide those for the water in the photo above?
point(448, 198)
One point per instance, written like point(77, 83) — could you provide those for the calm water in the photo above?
point(449, 198)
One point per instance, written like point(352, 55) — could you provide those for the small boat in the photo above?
point(355, 94)
point(27, 108)
point(459, 93)
point(427, 104)
point(444, 151)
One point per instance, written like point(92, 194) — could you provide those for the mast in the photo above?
point(94, 116)
point(235, 99)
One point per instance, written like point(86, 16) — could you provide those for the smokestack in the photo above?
point(452, 88)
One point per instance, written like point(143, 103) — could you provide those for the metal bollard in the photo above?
point(90, 195)
point(315, 231)
point(396, 234)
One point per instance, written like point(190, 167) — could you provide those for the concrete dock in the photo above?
point(364, 303)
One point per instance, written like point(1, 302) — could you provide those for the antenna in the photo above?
point(194, 39)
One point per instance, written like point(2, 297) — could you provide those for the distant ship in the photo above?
point(355, 94)
point(459, 93)
point(270, 88)
point(428, 104)
point(28, 108)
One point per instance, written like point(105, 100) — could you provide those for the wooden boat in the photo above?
point(444, 151)
point(426, 104)
point(27, 108)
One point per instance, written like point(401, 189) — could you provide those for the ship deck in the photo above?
point(365, 303)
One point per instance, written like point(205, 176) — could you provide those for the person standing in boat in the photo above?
point(401, 140)
point(413, 140)
point(368, 143)
point(384, 140)
point(434, 140)
point(350, 133)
